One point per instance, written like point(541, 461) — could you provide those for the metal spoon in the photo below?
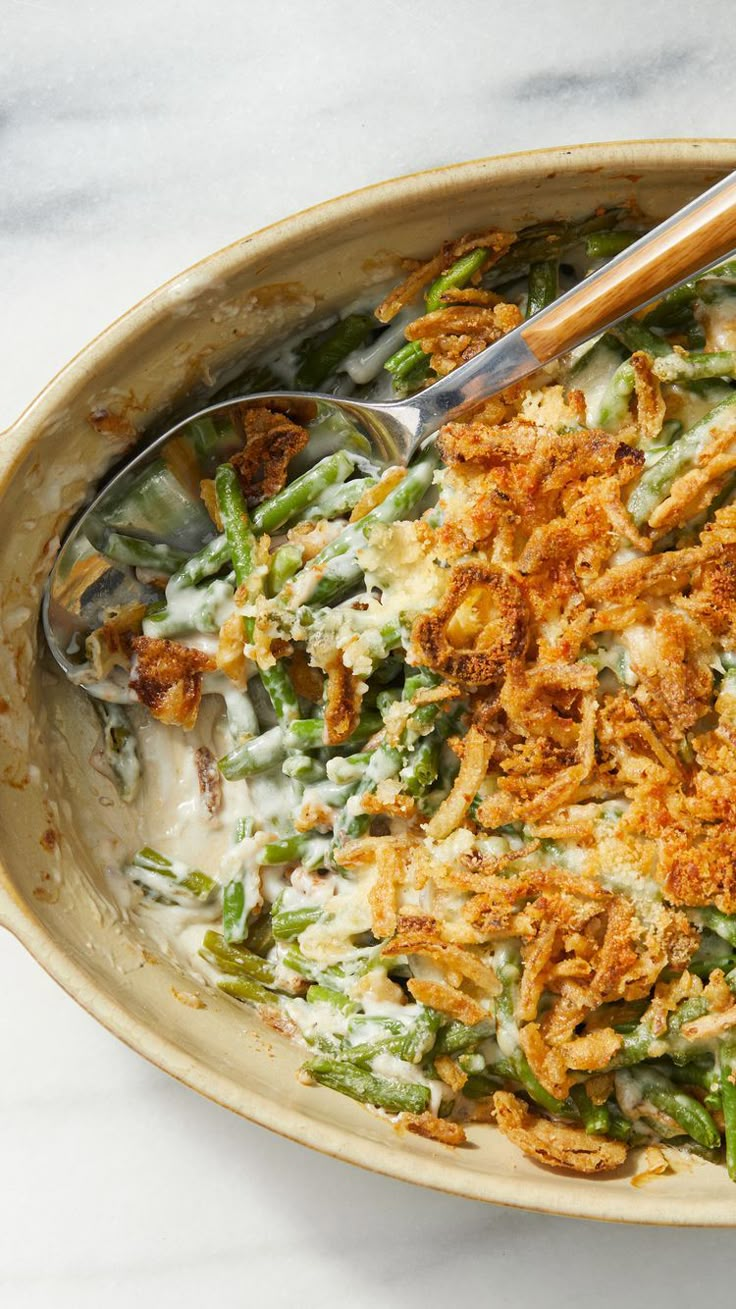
point(99, 564)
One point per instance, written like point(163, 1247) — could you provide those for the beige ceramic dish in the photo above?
point(166, 352)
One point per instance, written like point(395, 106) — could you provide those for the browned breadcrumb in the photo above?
point(167, 679)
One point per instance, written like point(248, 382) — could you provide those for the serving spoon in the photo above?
point(109, 557)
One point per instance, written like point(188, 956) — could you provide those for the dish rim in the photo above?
point(16, 915)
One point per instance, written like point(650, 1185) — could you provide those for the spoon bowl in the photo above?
point(150, 517)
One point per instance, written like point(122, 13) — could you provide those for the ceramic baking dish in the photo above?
point(164, 356)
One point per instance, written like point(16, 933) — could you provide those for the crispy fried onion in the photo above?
point(555, 1144)
point(167, 678)
point(271, 441)
point(342, 701)
point(434, 1129)
point(455, 334)
point(477, 749)
point(497, 243)
point(209, 780)
point(480, 626)
point(111, 646)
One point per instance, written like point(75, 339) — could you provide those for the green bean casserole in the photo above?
point(463, 735)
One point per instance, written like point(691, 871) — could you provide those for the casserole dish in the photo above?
point(167, 356)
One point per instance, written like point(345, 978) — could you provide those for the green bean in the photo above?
point(235, 960)
point(457, 276)
point(383, 1092)
point(604, 245)
point(724, 925)
point(236, 522)
point(543, 285)
point(288, 924)
point(336, 568)
point(283, 564)
point(421, 1035)
point(404, 361)
point(614, 404)
point(655, 483)
point(517, 1069)
point(244, 828)
point(686, 1111)
point(695, 367)
point(325, 995)
point(303, 847)
point(458, 1037)
point(422, 766)
point(322, 357)
point(339, 501)
point(254, 756)
point(727, 1066)
point(192, 880)
point(286, 505)
point(363, 1055)
point(234, 911)
point(133, 551)
point(595, 1117)
point(309, 733)
point(249, 990)
point(303, 768)
point(635, 336)
point(120, 747)
point(281, 692)
point(210, 559)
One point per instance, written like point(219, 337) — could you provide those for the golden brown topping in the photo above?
point(111, 646)
point(453, 335)
point(271, 441)
point(342, 704)
point(448, 999)
point(555, 1144)
point(497, 243)
point(480, 626)
point(477, 751)
point(435, 1129)
point(167, 679)
point(375, 495)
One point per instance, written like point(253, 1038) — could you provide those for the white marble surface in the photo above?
point(136, 138)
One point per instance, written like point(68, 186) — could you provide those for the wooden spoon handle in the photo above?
point(689, 242)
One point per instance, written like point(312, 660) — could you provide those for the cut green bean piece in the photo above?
point(249, 990)
point(306, 849)
point(288, 504)
point(421, 1035)
point(235, 960)
point(405, 360)
point(383, 1092)
point(283, 564)
point(234, 911)
point(604, 245)
point(456, 277)
point(696, 366)
point(543, 287)
point(595, 1117)
point(635, 336)
point(210, 560)
point(655, 483)
point(325, 995)
point(321, 358)
point(288, 924)
point(234, 513)
point(254, 756)
point(192, 880)
point(686, 1111)
point(133, 551)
